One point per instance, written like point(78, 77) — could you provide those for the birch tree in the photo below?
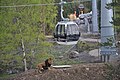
point(21, 28)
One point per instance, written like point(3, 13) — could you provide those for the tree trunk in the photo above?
point(23, 50)
point(24, 56)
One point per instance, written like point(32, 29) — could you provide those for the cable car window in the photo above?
point(69, 30)
point(60, 29)
point(56, 31)
point(72, 29)
point(75, 28)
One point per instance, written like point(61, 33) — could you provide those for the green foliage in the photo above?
point(108, 43)
point(10, 62)
point(84, 46)
point(24, 24)
point(6, 76)
point(112, 72)
point(69, 8)
point(40, 57)
point(43, 56)
point(116, 17)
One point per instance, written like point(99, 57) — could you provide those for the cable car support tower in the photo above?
point(108, 47)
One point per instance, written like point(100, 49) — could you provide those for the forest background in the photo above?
point(23, 29)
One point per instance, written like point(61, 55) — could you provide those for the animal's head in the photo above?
point(50, 60)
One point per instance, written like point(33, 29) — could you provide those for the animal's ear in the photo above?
point(50, 58)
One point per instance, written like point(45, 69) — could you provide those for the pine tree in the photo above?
point(116, 18)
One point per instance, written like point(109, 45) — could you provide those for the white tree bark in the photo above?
point(24, 54)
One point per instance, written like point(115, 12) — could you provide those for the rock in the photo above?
point(73, 54)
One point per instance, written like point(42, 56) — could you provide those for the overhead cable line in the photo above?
point(30, 5)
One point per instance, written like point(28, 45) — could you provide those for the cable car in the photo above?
point(66, 33)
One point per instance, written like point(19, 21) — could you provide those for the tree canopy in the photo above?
point(116, 18)
point(23, 30)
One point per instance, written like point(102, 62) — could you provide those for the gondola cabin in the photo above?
point(66, 33)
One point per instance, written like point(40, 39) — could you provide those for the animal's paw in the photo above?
point(49, 68)
point(39, 71)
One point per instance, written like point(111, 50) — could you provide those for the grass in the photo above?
point(6, 76)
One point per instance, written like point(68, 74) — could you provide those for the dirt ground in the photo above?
point(91, 71)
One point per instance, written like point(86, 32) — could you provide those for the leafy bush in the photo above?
point(82, 46)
